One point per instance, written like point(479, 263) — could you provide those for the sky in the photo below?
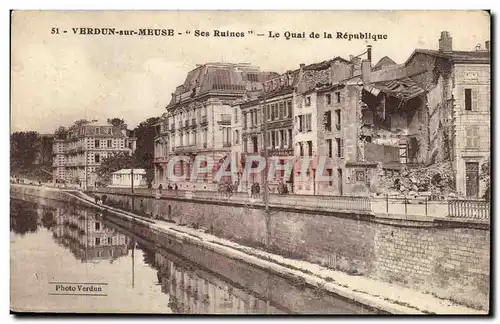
point(59, 78)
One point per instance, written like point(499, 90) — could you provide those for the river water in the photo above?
point(68, 259)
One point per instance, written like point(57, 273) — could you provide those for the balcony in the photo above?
point(204, 120)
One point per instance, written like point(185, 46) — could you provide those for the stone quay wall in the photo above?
point(442, 256)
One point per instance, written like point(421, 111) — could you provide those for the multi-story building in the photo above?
point(432, 109)
point(79, 151)
point(198, 121)
point(459, 108)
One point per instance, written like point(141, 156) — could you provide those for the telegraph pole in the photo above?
point(132, 186)
point(266, 153)
point(265, 179)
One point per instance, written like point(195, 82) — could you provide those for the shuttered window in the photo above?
point(472, 136)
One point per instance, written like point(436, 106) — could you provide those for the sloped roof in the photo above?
point(455, 56)
point(384, 61)
point(325, 64)
point(222, 78)
point(404, 88)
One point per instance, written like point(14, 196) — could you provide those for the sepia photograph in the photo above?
point(250, 162)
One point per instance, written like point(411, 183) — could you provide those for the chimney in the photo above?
point(366, 71)
point(487, 45)
point(369, 52)
point(302, 66)
point(356, 65)
point(445, 42)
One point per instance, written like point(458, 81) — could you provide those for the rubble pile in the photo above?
point(436, 180)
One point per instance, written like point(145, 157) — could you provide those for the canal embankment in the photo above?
point(362, 288)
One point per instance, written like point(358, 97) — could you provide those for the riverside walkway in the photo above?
point(420, 206)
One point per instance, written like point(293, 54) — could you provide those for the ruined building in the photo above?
point(390, 119)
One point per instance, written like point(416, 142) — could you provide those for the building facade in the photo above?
point(198, 122)
point(79, 151)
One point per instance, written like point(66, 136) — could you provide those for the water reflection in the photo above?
point(148, 279)
point(193, 291)
point(85, 235)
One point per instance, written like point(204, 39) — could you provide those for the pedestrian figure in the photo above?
point(160, 187)
point(96, 199)
point(176, 188)
point(103, 199)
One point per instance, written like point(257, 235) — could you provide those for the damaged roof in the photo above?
point(455, 56)
point(404, 88)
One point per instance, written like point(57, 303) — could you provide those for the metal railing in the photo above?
point(332, 203)
point(418, 206)
point(475, 209)
point(421, 206)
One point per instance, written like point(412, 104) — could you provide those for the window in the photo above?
point(97, 226)
point(273, 139)
point(195, 135)
point(340, 148)
point(330, 148)
point(360, 175)
point(330, 176)
point(472, 135)
point(282, 110)
point(110, 143)
point(110, 240)
point(110, 131)
point(338, 96)
point(236, 137)
point(268, 112)
point(310, 148)
point(300, 123)
point(97, 158)
point(256, 116)
point(338, 121)
point(307, 123)
point(97, 241)
point(245, 120)
point(273, 116)
point(289, 108)
point(282, 138)
point(236, 114)
point(327, 121)
point(301, 149)
point(308, 101)
point(468, 99)
point(328, 99)
point(97, 130)
point(96, 143)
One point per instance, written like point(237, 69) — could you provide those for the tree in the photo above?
point(145, 133)
point(61, 133)
point(81, 122)
point(114, 163)
point(23, 150)
point(485, 176)
point(117, 122)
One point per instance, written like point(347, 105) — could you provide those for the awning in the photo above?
point(404, 89)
